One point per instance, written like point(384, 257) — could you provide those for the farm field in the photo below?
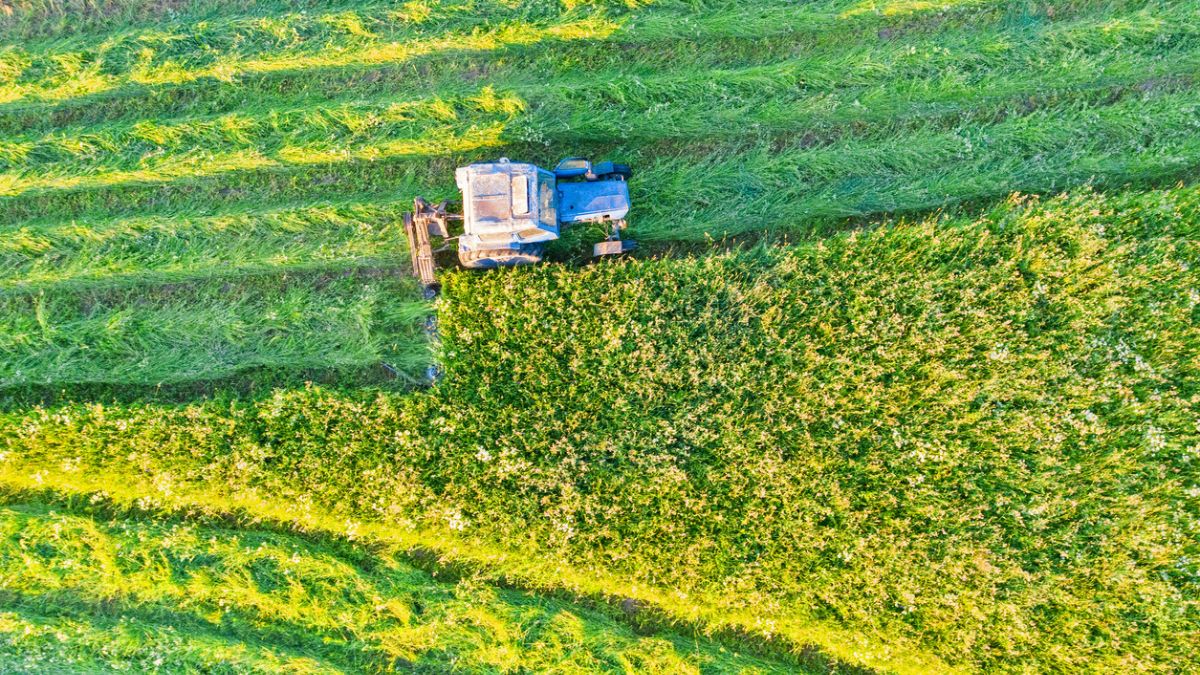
point(906, 379)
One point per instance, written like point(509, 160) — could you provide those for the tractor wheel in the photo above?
point(482, 259)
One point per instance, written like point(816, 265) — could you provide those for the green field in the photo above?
point(906, 378)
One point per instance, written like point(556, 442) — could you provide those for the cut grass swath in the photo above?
point(329, 236)
point(212, 328)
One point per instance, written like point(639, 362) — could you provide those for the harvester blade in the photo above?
point(421, 250)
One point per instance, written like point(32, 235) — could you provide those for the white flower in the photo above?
point(1155, 440)
point(483, 455)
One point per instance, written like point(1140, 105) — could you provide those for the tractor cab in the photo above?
point(508, 213)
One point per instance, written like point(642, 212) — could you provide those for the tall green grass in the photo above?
point(971, 435)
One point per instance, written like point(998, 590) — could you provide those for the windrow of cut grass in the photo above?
point(861, 85)
point(86, 591)
point(975, 435)
point(654, 43)
point(152, 152)
point(327, 236)
point(212, 328)
point(691, 192)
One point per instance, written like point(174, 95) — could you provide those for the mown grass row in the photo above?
point(332, 236)
point(644, 48)
point(212, 328)
point(859, 85)
point(687, 192)
point(972, 434)
point(83, 591)
point(656, 39)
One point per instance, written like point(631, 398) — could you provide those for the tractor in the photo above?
point(511, 209)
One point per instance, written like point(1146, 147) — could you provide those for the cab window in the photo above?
point(520, 195)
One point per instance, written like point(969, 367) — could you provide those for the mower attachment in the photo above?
point(424, 222)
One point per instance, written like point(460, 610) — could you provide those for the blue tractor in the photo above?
point(511, 209)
